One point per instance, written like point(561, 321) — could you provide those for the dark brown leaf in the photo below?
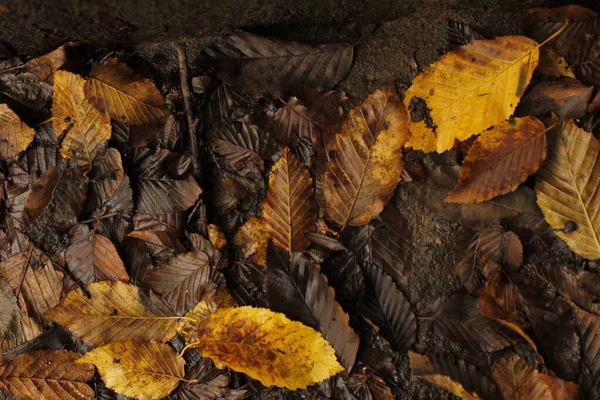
point(210, 384)
point(293, 123)
point(273, 68)
point(228, 192)
point(568, 98)
point(584, 58)
point(588, 325)
point(10, 315)
point(460, 34)
point(105, 178)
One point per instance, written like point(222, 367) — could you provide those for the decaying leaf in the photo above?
point(387, 308)
point(567, 98)
point(500, 160)
point(365, 160)
point(119, 92)
point(114, 311)
point(588, 325)
point(585, 59)
point(10, 315)
point(553, 65)
point(300, 291)
point(210, 384)
point(15, 135)
point(470, 89)
point(181, 280)
point(456, 376)
point(262, 66)
point(45, 374)
point(267, 346)
point(146, 370)
point(566, 188)
point(253, 237)
point(84, 128)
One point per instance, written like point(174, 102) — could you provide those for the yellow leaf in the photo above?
point(15, 135)
point(143, 370)
point(253, 237)
point(85, 129)
point(366, 160)
point(267, 346)
point(470, 89)
point(567, 185)
point(119, 92)
point(216, 237)
point(114, 311)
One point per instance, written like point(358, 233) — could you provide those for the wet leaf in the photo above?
point(84, 128)
point(146, 370)
point(301, 292)
point(45, 374)
point(488, 75)
point(566, 188)
point(567, 98)
point(267, 67)
point(15, 135)
point(267, 346)
point(119, 92)
point(366, 160)
point(114, 311)
point(92, 258)
point(387, 308)
point(181, 280)
point(500, 160)
point(163, 181)
point(456, 376)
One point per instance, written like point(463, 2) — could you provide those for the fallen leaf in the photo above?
point(456, 376)
point(15, 135)
point(253, 238)
point(227, 194)
point(293, 123)
point(44, 66)
point(114, 311)
point(481, 84)
point(46, 374)
point(300, 291)
point(588, 325)
point(84, 128)
point(146, 370)
point(267, 346)
point(181, 280)
point(369, 387)
point(366, 160)
point(92, 258)
point(386, 307)
point(119, 92)
point(565, 188)
point(460, 34)
point(500, 160)
point(164, 182)
point(10, 315)
point(567, 98)
point(211, 384)
point(584, 59)
point(106, 177)
point(263, 66)
point(553, 65)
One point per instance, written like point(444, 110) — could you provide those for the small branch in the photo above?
point(103, 216)
point(187, 106)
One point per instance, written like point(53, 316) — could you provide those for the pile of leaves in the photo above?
point(235, 235)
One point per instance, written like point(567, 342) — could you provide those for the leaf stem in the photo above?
point(557, 33)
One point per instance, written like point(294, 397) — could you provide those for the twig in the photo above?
point(25, 268)
point(187, 106)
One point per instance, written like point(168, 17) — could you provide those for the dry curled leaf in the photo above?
point(119, 92)
point(267, 346)
point(500, 160)
point(566, 188)
point(48, 375)
point(114, 311)
point(15, 135)
point(146, 370)
point(365, 160)
point(470, 89)
point(85, 129)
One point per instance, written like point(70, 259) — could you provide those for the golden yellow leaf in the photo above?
point(470, 89)
point(289, 209)
point(266, 346)
point(253, 237)
point(119, 92)
point(366, 160)
point(85, 129)
point(216, 237)
point(143, 370)
point(15, 135)
point(567, 185)
point(114, 311)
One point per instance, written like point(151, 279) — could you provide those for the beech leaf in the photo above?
point(15, 135)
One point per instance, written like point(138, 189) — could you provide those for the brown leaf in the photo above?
point(45, 374)
point(181, 280)
point(92, 257)
point(210, 384)
point(568, 98)
point(84, 128)
point(300, 291)
point(105, 179)
point(386, 307)
point(499, 299)
point(456, 376)
point(588, 325)
point(15, 135)
point(369, 387)
point(41, 193)
point(460, 34)
point(500, 160)
point(163, 181)
point(293, 123)
point(267, 67)
point(541, 23)
point(366, 160)
point(584, 58)
point(228, 192)
point(553, 65)
point(10, 315)
point(119, 92)
point(44, 66)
